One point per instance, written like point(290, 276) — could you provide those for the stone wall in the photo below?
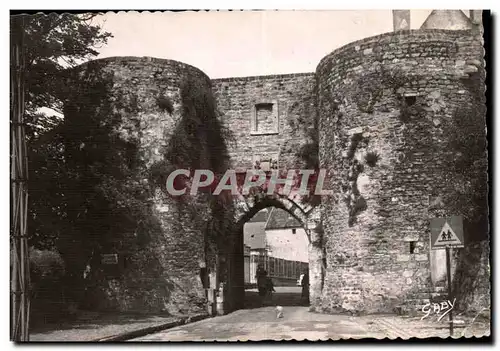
point(287, 101)
point(472, 278)
point(271, 120)
point(137, 104)
point(385, 104)
point(384, 109)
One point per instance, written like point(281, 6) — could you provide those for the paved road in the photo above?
point(262, 324)
point(284, 296)
point(258, 322)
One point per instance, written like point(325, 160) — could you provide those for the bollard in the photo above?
point(220, 300)
point(211, 295)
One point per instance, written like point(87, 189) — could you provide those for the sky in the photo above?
point(244, 43)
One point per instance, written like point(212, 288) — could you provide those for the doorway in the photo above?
point(276, 243)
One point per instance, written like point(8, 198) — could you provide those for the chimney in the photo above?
point(401, 19)
point(476, 16)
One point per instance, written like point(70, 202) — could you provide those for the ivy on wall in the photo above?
point(309, 151)
point(371, 158)
point(353, 199)
point(199, 141)
point(104, 203)
point(104, 197)
point(368, 90)
point(371, 87)
point(468, 165)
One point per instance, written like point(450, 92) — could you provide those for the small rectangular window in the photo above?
point(294, 230)
point(265, 118)
point(412, 247)
point(410, 100)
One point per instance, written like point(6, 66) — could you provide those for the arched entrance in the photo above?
point(307, 216)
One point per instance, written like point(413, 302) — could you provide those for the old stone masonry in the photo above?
point(378, 114)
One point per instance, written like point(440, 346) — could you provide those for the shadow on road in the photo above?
point(284, 296)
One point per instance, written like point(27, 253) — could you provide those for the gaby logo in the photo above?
point(440, 309)
point(301, 182)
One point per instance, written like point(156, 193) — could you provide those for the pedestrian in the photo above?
point(305, 287)
point(269, 288)
point(261, 281)
point(260, 272)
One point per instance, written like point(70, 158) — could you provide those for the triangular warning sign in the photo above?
point(403, 24)
point(447, 237)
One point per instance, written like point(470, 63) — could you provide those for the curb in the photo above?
point(156, 328)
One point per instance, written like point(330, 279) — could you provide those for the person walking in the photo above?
point(269, 288)
point(260, 272)
point(305, 287)
point(261, 276)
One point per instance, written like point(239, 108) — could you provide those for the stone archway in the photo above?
point(307, 215)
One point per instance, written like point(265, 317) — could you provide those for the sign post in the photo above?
point(447, 233)
point(448, 277)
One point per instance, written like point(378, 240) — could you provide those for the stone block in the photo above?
point(421, 257)
point(407, 274)
point(470, 69)
point(357, 130)
point(163, 208)
point(474, 62)
point(411, 238)
point(402, 258)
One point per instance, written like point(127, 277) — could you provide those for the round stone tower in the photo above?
point(388, 108)
point(127, 125)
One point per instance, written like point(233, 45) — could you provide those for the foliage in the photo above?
point(467, 171)
point(47, 271)
point(54, 42)
point(309, 152)
point(371, 158)
point(352, 197)
point(410, 107)
point(199, 141)
point(103, 194)
point(47, 207)
point(369, 88)
point(88, 197)
point(468, 165)
point(303, 120)
point(355, 140)
point(45, 264)
point(165, 104)
point(471, 284)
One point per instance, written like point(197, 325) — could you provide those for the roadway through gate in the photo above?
point(262, 324)
point(283, 296)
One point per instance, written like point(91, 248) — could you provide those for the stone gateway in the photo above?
point(377, 115)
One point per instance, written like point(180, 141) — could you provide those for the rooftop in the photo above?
point(255, 235)
point(260, 216)
point(281, 219)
